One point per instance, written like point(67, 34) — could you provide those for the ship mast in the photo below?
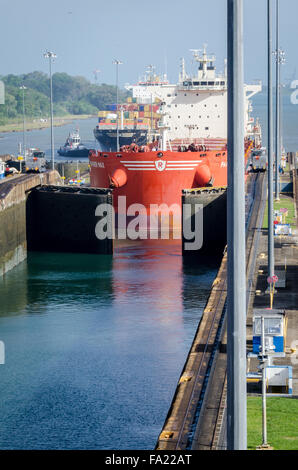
point(182, 75)
point(203, 60)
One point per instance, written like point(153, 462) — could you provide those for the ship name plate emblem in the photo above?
point(160, 165)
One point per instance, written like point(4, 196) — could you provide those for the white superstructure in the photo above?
point(195, 107)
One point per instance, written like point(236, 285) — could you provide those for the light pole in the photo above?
point(236, 295)
point(280, 59)
point(117, 63)
point(270, 146)
point(263, 366)
point(51, 56)
point(96, 73)
point(23, 88)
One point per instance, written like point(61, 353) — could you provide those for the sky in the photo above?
point(87, 35)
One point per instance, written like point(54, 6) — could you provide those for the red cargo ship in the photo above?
point(156, 177)
point(191, 151)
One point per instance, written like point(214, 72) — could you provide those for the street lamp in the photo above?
point(23, 88)
point(117, 63)
point(280, 59)
point(236, 294)
point(51, 56)
point(96, 73)
point(271, 263)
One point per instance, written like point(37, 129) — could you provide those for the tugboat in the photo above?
point(73, 147)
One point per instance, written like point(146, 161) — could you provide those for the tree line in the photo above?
point(71, 95)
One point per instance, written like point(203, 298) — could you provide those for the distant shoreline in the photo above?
point(37, 124)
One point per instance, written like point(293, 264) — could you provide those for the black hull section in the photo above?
point(108, 138)
point(81, 153)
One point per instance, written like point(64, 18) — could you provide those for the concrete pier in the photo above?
point(13, 195)
point(196, 418)
point(35, 215)
point(286, 294)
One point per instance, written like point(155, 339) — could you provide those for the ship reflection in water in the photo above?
point(95, 345)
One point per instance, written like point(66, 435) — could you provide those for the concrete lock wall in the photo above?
point(214, 202)
point(13, 194)
point(13, 248)
point(63, 219)
point(69, 168)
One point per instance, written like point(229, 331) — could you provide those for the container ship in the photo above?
point(137, 119)
point(189, 151)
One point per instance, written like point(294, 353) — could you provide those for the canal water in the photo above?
point(95, 345)
point(9, 141)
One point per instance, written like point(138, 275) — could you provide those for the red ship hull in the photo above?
point(146, 178)
point(152, 181)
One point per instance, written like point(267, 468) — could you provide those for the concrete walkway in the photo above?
point(286, 259)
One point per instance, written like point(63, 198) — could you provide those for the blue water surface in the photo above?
point(95, 345)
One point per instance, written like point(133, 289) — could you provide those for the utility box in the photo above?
point(275, 331)
point(279, 380)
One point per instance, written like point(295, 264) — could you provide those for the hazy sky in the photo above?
point(87, 35)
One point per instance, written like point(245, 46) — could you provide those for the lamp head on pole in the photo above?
point(279, 56)
point(117, 62)
point(50, 55)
